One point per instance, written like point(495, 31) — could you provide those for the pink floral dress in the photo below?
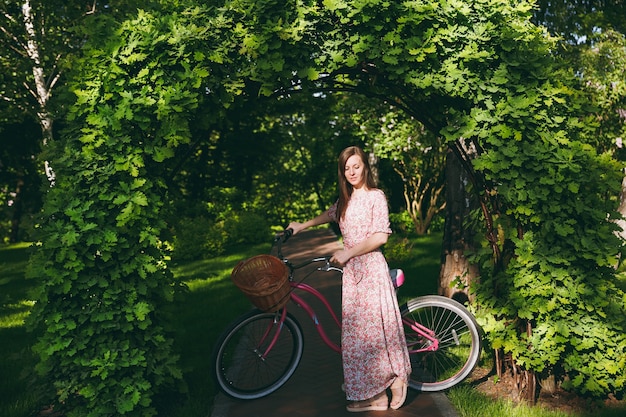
point(373, 344)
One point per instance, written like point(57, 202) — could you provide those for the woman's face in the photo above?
point(353, 171)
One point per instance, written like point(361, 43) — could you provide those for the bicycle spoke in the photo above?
point(446, 351)
point(257, 355)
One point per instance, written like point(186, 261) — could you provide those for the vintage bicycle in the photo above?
point(260, 351)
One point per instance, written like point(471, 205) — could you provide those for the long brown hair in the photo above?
point(345, 188)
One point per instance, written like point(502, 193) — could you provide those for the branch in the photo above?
point(7, 99)
point(14, 39)
point(387, 93)
point(54, 74)
point(8, 17)
point(14, 102)
point(93, 8)
point(52, 82)
point(31, 91)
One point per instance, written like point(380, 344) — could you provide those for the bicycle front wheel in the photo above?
point(257, 354)
point(446, 349)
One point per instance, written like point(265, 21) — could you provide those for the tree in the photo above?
point(20, 180)
point(592, 41)
point(38, 40)
point(601, 68)
point(312, 130)
point(289, 142)
point(593, 36)
point(416, 155)
point(478, 73)
point(101, 317)
point(575, 21)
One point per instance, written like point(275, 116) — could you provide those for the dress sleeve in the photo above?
point(380, 213)
point(332, 212)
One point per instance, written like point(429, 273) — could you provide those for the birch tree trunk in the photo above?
point(42, 89)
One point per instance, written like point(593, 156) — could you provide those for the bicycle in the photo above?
point(260, 351)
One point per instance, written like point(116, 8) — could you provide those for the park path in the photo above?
point(315, 388)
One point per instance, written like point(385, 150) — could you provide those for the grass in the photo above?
point(470, 403)
point(421, 268)
point(17, 396)
point(209, 303)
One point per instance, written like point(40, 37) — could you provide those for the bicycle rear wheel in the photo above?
point(242, 367)
point(457, 335)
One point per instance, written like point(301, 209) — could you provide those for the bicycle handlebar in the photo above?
point(283, 236)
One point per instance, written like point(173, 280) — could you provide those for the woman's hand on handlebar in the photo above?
point(295, 226)
point(340, 257)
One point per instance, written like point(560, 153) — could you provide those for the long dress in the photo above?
point(373, 344)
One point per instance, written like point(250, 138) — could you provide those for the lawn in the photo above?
point(202, 312)
point(17, 393)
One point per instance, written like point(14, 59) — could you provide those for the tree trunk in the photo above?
point(43, 87)
point(622, 210)
point(373, 161)
point(456, 273)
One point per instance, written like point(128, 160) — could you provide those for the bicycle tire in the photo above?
point(239, 368)
point(459, 337)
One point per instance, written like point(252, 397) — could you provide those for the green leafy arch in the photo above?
point(480, 74)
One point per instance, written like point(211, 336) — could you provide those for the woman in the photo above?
point(374, 352)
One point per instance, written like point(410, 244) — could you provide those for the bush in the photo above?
point(401, 223)
point(246, 227)
point(398, 249)
point(201, 238)
point(198, 238)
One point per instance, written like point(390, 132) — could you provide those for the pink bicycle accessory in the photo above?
point(397, 277)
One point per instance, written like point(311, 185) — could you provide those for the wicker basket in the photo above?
point(264, 279)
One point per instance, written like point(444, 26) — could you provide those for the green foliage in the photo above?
point(577, 21)
point(246, 228)
point(197, 238)
point(601, 72)
point(200, 238)
point(417, 157)
point(561, 281)
point(475, 72)
point(401, 222)
point(300, 176)
point(102, 311)
point(398, 250)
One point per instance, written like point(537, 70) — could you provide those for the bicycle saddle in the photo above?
point(397, 277)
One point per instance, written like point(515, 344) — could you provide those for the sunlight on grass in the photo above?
point(470, 403)
point(14, 315)
point(15, 246)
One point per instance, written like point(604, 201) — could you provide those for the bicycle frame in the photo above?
point(418, 328)
point(443, 338)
